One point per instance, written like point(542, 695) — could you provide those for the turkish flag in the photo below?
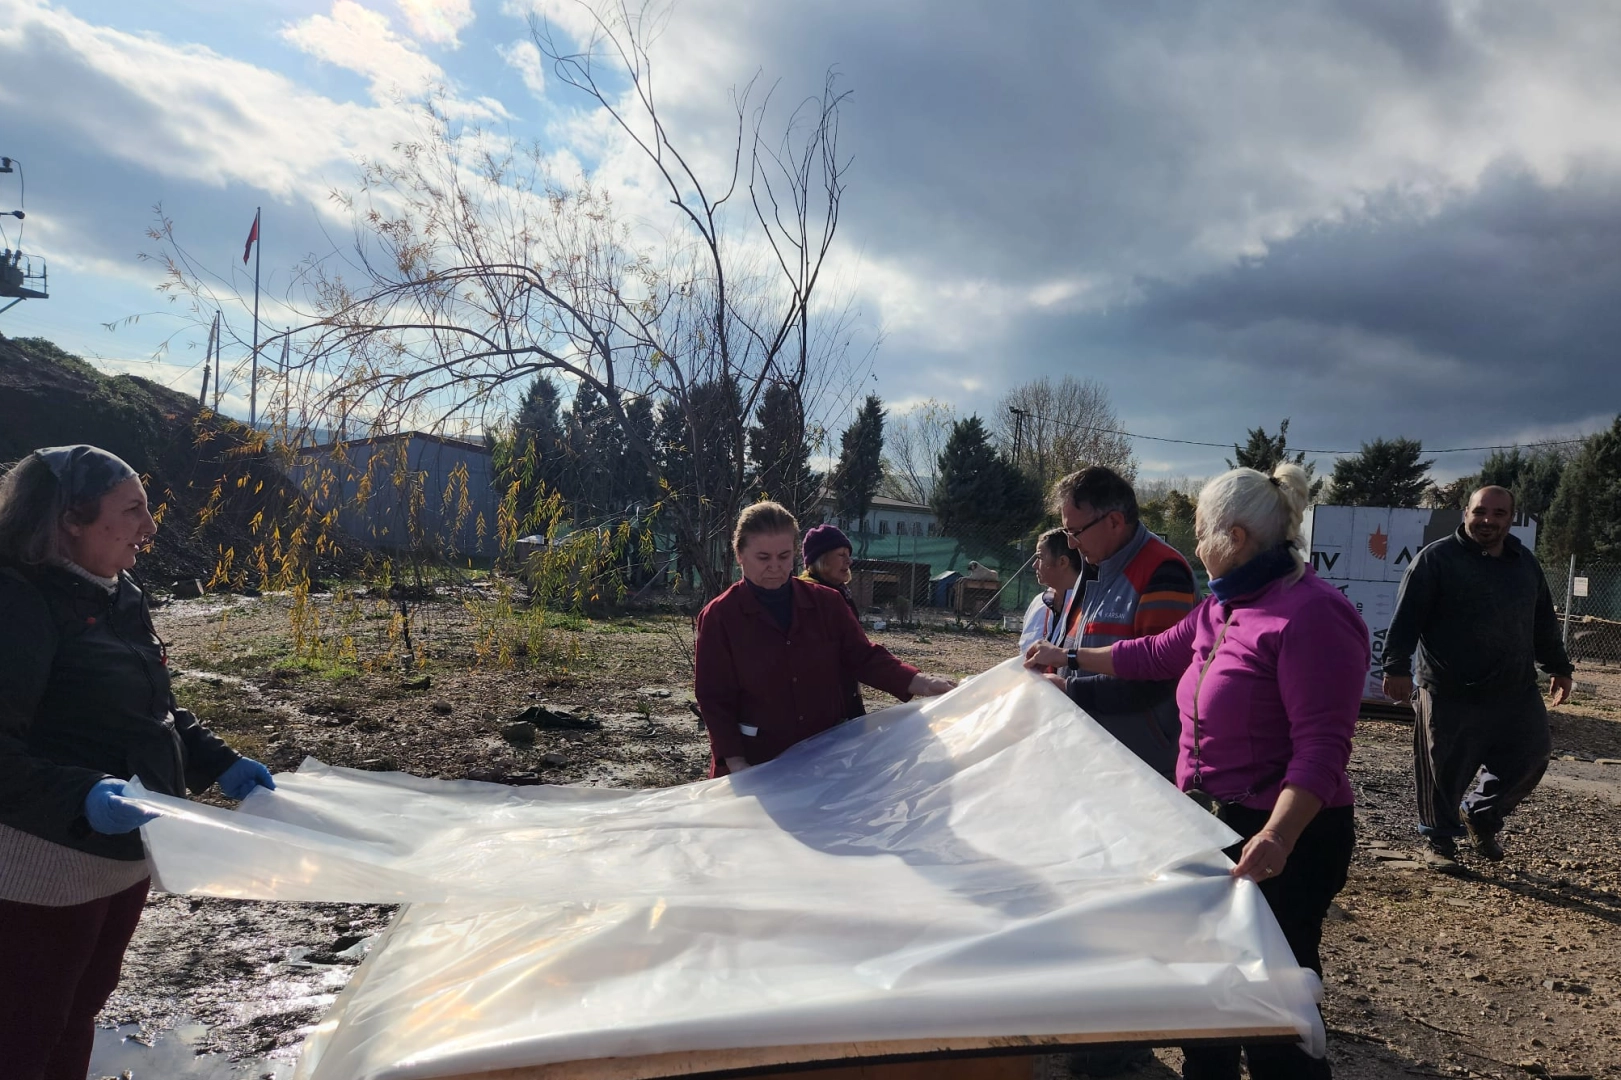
point(253, 236)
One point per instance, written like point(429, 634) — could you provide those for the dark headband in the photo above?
point(84, 472)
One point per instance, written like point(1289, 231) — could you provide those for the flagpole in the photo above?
point(253, 384)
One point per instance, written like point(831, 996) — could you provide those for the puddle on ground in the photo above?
point(173, 1056)
point(210, 606)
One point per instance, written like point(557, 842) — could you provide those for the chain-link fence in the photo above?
point(919, 572)
point(1587, 597)
point(915, 572)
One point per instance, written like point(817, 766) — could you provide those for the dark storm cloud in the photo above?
point(1379, 218)
point(1518, 279)
point(1024, 139)
point(1490, 319)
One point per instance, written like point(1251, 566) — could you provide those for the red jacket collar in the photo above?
point(750, 604)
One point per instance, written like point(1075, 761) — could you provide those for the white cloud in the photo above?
point(574, 19)
point(360, 40)
point(524, 58)
point(438, 21)
point(183, 111)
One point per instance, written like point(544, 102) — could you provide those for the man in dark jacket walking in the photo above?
point(1476, 608)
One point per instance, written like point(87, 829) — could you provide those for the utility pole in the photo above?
point(1570, 597)
point(219, 360)
point(286, 388)
point(208, 358)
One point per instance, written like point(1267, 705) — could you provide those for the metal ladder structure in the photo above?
point(19, 280)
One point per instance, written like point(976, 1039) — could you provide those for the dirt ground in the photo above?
point(1508, 970)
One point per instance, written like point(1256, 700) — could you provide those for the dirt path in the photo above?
point(1509, 970)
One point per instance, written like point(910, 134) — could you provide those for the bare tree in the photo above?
point(1159, 487)
point(912, 445)
point(475, 268)
point(1051, 428)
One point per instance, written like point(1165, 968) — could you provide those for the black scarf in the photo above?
point(1255, 575)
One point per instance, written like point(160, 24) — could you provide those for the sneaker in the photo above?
point(1485, 843)
point(1440, 853)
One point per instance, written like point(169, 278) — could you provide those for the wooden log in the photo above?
point(999, 1058)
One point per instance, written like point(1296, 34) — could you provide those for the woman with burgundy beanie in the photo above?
point(826, 554)
point(1271, 668)
point(85, 705)
point(775, 652)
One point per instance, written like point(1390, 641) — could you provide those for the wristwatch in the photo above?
point(1071, 661)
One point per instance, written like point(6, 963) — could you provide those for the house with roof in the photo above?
point(400, 492)
point(887, 517)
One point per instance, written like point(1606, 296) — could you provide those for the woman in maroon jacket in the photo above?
point(774, 651)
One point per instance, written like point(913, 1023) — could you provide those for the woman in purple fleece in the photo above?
point(1270, 671)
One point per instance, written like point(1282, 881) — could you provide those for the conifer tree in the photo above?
point(779, 455)
point(1264, 453)
point(1585, 518)
point(979, 493)
point(860, 468)
point(1387, 472)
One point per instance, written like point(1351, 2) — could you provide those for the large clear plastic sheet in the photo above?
point(986, 863)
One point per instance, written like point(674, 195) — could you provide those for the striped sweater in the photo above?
point(1140, 590)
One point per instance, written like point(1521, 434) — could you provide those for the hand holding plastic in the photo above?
point(242, 777)
point(110, 813)
point(930, 685)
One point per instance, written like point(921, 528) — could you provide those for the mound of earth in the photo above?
point(215, 486)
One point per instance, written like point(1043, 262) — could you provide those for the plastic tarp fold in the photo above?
point(986, 863)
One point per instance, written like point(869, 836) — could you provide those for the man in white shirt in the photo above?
point(1058, 569)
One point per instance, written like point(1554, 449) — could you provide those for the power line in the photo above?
point(1287, 449)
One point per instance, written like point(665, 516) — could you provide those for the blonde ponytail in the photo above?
point(1294, 492)
point(1270, 508)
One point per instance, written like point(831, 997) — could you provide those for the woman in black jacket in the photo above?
point(825, 552)
point(85, 705)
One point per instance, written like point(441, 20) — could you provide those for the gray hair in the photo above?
point(1269, 508)
point(32, 505)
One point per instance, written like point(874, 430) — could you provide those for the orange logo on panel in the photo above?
point(1378, 544)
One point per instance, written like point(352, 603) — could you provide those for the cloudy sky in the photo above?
point(1375, 217)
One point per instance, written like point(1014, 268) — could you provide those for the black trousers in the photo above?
point(1486, 756)
point(1299, 898)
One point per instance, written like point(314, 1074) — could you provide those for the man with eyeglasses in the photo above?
point(1136, 585)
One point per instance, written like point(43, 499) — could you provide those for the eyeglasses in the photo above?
point(1075, 534)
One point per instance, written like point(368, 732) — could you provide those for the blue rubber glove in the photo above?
point(242, 777)
point(110, 813)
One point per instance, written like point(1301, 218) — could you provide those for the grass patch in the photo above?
point(571, 621)
point(628, 624)
point(230, 711)
point(260, 656)
point(336, 670)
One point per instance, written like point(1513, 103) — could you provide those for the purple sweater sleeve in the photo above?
point(1162, 657)
point(1322, 666)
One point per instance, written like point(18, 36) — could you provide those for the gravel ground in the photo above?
point(1506, 970)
